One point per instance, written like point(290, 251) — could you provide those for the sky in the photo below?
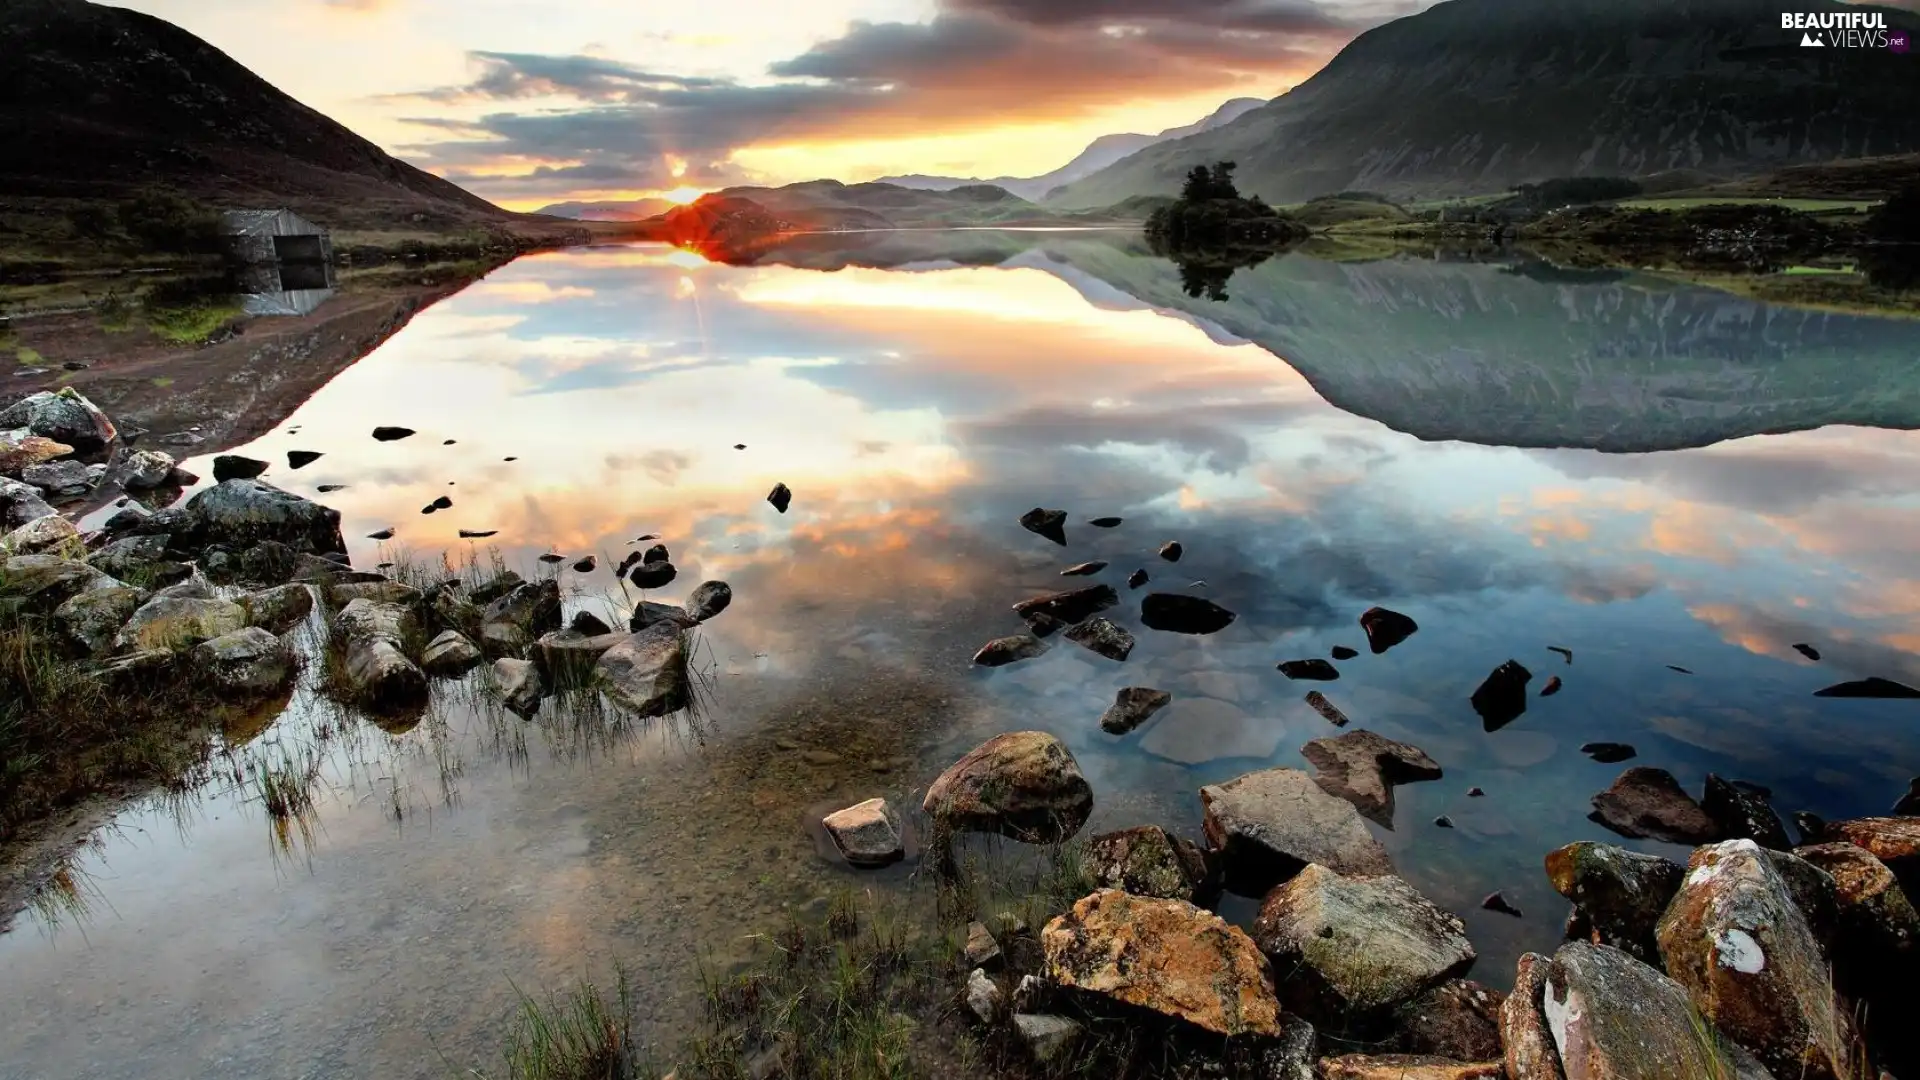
point(530, 103)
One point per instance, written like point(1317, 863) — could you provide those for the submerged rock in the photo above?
point(1133, 706)
point(1166, 956)
point(709, 598)
point(1008, 650)
point(1327, 709)
point(1085, 569)
point(1498, 902)
point(1355, 947)
point(1025, 785)
point(1268, 825)
point(249, 661)
point(1314, 670)
point(92, 619)
point(238, 514)
point(1362, 767)
point(1051, 524)
point(1502, 697)
point(1871, 687)
point(1103, 637)
point(867, 834)
point(1648, 802)
point(1181, 614)
point(520, 685)
point(1386, 628)
point(391, 434)
point(648, 672)
point(1072, 607)
point(170, 622)
point(1137, 579)
point(1609, 753)
point(781, 497)
point(377, 666)
point(653, 575)
point(1171, 551)
point(1612, 1017)
point(449, 654)
point(1147, 861)
point(1740, 810)
point(63, 415)
point(1620, 894)
point(235, 467)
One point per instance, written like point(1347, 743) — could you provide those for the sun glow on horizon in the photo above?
point(683, 195)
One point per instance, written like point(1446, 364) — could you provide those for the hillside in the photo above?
point(1099, 154)
point(628, 210)
point(1478, 95)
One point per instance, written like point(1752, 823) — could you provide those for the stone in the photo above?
point(520, 685)
point(1104, 522)
point(984, 999)
point(1132, 706)
point(235, 467)
point(1502, 696)
point(709, 598)
point(1085, 569)
point(1407, 1067)
point(1147, 861)
point(1341, 652)
point(585, 565)
point(1893, 840)
point(1072, 607)
point(1609, 753)
point(981, 950)
point(656, 554)
point(516, 619)
point(241, 513)
point(270, 562)
point(1181, 614)
point(1009, 650)
point(567, 658)
point(1386, 628)
point(1648, 802)
point(41, 583)
point(1357, 946)
point(653, 575)
point(391, 434)
point(132, 557)
point(171, 622)
point(781, 497)
point(1166, 956)
point(1198, 730)
point(250, 661)
point(376, 664)
point(67, 477)
point(1051, 524)
point(21, 504)
point(1314, 670)
point(1621, 893)
point(51, 535)
point(450, 653)
point(1327, 709)
point(1291, 1055)
point(648, 672)
point(1103, 637)
point(1612, 1017)
point(1529, 1049)
point(91, 620)
point(1032, 992)
point(1137, 579)
point(20, 449)
point(1876, 923)
point(191, 589)
point(1268, 825)
point(1047, 1038)
point(1025, 785)
point(1908, 805)
point(300, 459)
point(867, 834)
point(1870, 687)
point(1813, 892)
point(1171, 551)
point(1552, 687)
point(647, 613)
point(1362, 767)
point(380, 592)
point(1735, 940)
point(1740, 811)
point(63, 415)
point(586, 622)
point(1458, 1019)
point(1497, 902)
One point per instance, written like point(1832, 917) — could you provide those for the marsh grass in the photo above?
point(284, 781)
point(582, 1034)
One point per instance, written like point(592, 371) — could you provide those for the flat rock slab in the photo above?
point(1133, 706)
point(1407, 1067)
point(1612, 1017)
point(1362, 767)
point(1268, 825)
point(868, 834)
point(1357, 946)
point(1103, 637)
point(1070, 607)
point(168, 622)
point(1314, 670)
point(1025, 785)
point(1009, 650)
point(1194, 731)
point(648, 672)
point(1648, 802)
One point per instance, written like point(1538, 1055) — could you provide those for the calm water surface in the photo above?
point(1517, 459)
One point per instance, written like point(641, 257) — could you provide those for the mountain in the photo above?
point(1475, 96)
point(99, 102)
point(629, 210)
point(1099, 154)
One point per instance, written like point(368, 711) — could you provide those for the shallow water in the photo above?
point(916, 411)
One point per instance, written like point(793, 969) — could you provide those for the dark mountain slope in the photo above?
point(1478, 95)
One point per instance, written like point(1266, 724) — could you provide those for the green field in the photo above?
point(1805, 206)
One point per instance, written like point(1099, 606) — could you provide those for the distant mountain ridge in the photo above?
point(618, 210)
point(1099, 154)
point(1475, 96)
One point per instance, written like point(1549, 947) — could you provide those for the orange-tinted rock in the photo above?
point(1407, 1067)
point(1620, 893)
point(1459, 1019)
point(1528, 1043)
point(1024, 785)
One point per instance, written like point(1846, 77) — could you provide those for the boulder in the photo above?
point(92, 619)
point(1312, 670)
point(1648, 802)
point(1502, 696)
point(278, 609)
point(1268, 825)
point(586, 622)
point(1137, 579)
point(1740, 811)
point(141, 668)
point(376, 662)
point(235, 467)
point(59, 478)
point(241, 513)
point(1877, 925)
point(1621, 894)
point(131, 558)
point(386, 591)
point(62, 415)
point(249, 662)
point(647, 673)
point(647, 613)
point(1051, 524)
point(21, 504)
point(171, 622)
point(1025, 785)
point(1147, 861)
point(653, 575)
point(1009, 650)
point(516, 619)
point(1813, 892)
point(1103, 637)
point(450, 654)
point(867, 834)
point(192, 588)
point(1132, 706)
point(1198, 730)
point(984, 998)
point(567, 658)
point(1527, 1042)
point(1407, 1067)
point(519, 684)
point(780, 497)
point(709, 598)
point(1356, 947)
point(41, 583)
point(1386, 628)
point(486, 592)
point(1363, 767)
point(1171, 551)
point(1612, 1017)
point(20, 449)
point(1893, 840)
point(51, 535)
point(1047, 1038)
point(1735, 940)
point(1179, 613)
point(1292, 1055)
point(1166, 956)
point(1072, 607)
point(146, 469)
point(1458, 1019)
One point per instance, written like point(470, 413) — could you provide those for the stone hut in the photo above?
point(256, 237)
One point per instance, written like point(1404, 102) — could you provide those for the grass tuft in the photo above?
point(579, 1035)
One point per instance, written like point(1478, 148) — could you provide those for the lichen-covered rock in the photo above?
point(516, 619)
point(1615, 1018)
point(1621, 893)
point(171, 622)
point(51, 535)
point(450, 654)
point(709, 598)
point(21, 504)
point(1147, 861)
point(1407, 1067)
point(1878, 926)
point(1048, 1038)
point(1735, 940)
point(1740, 810)
point(278, 609)
point(1166, 956)
point(1893, 840)
point(377, 664)
point(241, 513)
point(1362, 767)
point(20, 449)
point(567, 658)
point(380, 592)
point(63, 415)
point(867, 834)
point(1133, 706)
point(1025, 785)
point(1358, 946)
point(1268, 825)
point(984, 998)
point(146, 469)
point(92, 619)
point(250, 661)
point(131, 558)
point(1458, 1019)
point(1102, 636)
point(519, 684)
point(648, 613)
point(59, 478)
point(1649, 802)
point(1530, 1052)
point(41, 583)
point(647, 673)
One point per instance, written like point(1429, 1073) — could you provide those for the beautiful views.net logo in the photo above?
point(1846, 30)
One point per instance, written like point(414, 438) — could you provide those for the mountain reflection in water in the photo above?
point(1483, 467)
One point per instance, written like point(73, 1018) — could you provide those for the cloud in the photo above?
point(1290, 16)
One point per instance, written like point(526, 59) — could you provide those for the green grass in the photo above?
point(28, 357)
point(1805, 206)
point(161, 382)
point(190, 322)
point(579, 1035)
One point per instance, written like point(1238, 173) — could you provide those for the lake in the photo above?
point(1649, 475)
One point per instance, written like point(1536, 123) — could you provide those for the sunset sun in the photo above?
point(683, 195)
